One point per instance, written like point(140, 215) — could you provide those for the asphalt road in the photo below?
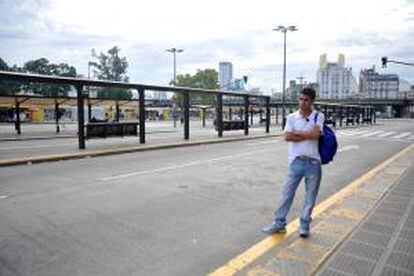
point(182, 211)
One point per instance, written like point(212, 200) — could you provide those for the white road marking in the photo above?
point(353, 132)
point(350, 147)
point(189, 164)
point(401, 135)
point(3, 196)
point(387, 134)
point(263, 143)
point(372, 133)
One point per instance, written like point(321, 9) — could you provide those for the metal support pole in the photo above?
point(353, 115)
point(284, 82)
point(219, 115)
point(89, 111)
point(17, 125)
point(230, 114)
point(251, 116)
point(186, 115)
point(246, 115)
point(203, 114)
point(117, 111)
point(277, 115)
point(267, 114)
point(141, 93)
point(81, 118)
point(347, 116)
point(57, 113)
point(373, 116)
point(340, 115)
point(366, 115)
point(358, 113)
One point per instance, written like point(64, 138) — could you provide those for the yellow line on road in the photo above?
point(244, 259)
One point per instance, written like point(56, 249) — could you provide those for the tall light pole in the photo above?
point(174, 51)
point(284, 30)
point(300, 78)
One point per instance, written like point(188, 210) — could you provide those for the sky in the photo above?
point(210, 32)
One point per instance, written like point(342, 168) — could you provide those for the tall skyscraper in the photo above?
point(225, 75)
point(334, 79)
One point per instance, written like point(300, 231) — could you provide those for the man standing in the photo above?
point(302, 131)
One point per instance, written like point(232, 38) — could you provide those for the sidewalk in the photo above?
point(383, 243)
point(367, 228)
point(16, 154)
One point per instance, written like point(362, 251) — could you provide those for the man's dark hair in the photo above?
point(310, 92)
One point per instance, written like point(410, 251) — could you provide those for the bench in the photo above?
point(231, 125)
point(105, 129)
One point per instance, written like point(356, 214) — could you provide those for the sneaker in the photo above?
point(274, 227)
point(303, 232)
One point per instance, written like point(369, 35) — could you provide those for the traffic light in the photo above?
point(384, 62)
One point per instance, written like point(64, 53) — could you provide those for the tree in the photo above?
point(8, 87)
point(44, 67)
point(204, 79)
point(112, 67)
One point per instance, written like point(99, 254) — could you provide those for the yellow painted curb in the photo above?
point(241, 261)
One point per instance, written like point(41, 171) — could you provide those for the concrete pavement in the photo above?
point(179, 211)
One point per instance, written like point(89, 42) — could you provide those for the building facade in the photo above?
point(225, 75)
point(378, 86)
point(335, 81)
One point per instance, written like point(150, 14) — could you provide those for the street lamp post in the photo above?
point(284, 30)
point(174, 51)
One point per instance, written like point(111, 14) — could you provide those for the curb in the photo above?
point(94, 153)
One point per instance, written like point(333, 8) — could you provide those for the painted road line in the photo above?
point(386, 134)
point(3, 196)
point(402, 135)
point(347, 148)
point(241, 261)
point(356, 132)
point(372, 133)
point(189, 164)
point(263, 143)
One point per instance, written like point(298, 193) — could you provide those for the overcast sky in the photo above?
point(209, 32)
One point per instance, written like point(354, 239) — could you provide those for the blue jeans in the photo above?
point(300, 167)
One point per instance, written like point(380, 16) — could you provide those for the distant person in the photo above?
point(106, 117)
point(302, 131)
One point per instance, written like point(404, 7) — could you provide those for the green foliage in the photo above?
point(204, 79)
point(112, 67)
point(44, 67)
point(9, 87)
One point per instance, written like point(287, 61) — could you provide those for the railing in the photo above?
point(79, 84)
point(334, 112)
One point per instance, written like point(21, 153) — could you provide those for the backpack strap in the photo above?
point(316, 117)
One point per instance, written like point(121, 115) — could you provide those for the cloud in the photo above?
point(209, 32)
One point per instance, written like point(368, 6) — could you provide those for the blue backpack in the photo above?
point(327, 143)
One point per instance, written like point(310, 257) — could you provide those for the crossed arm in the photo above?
point(298, 136)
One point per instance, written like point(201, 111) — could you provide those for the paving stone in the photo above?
point(363, 250)
point(401, 261)
point(350, 264)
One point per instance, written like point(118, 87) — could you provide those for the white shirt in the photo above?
point(296, 122)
